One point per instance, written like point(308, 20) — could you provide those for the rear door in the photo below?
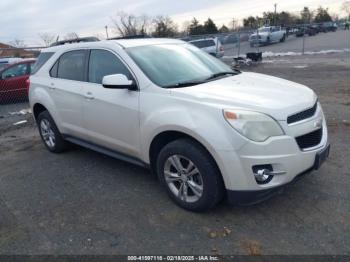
point(68, 75)
point(111, 116)
point(13, 84)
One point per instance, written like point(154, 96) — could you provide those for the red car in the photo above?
point(14, 81)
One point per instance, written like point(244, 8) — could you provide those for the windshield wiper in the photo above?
point(214, 76)
point(184, 84)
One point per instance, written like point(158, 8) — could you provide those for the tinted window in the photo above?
point(204, 43)
point(15, 71)
point(71, 66)
point(53, 71)
point(104, 63)
point(42, 59)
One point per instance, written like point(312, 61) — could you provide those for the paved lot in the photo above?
point(82, 202)
point(339, 40)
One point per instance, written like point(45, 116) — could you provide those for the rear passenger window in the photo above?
point(71, 65)
point(53, 71)
point(104, 63)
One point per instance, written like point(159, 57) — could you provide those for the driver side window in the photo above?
point(104, 63)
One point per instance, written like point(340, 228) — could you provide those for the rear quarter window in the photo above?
point(42, 59)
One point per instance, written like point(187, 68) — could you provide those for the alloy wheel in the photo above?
point(47, 133)
point(183, 178)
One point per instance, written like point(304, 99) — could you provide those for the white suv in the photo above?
point(206, 130)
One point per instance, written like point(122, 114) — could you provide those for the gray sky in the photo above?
point(26, 19)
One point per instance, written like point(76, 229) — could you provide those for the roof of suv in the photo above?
point(124, 43)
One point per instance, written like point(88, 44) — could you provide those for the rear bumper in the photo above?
point(251, 197)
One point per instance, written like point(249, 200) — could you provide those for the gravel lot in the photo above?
point(82, 202)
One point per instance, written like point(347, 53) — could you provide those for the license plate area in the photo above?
point(321, 157)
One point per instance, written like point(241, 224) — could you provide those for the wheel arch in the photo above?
point(37, 109)
point(165, 137)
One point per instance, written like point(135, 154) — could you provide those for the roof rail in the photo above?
point(76, 40)
point(130, 37)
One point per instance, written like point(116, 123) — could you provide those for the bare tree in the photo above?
point(17, 43)
point(186, 27)
point(164, 27)
point(346, 8)
point(47, 38)
point(128, 24)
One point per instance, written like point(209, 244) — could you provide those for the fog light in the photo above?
point(262, 174)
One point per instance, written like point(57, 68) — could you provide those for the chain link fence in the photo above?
point(15, 68)
point(272, 41)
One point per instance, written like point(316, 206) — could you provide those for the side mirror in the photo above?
point(118, 81)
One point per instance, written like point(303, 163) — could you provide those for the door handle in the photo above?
point(89, 96)
point(52, 86)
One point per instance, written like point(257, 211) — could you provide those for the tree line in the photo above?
point(125, 24)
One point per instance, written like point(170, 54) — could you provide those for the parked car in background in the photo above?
point(267, 35)
point(231, 38)
point(14, 82)
point(310, 30)
point(206, 130)
point(330, 26)
point(212, 46)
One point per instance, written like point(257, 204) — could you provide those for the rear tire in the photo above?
point(197, 192)
point(50, 134)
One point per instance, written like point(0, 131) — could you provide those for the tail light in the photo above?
point(221, 49)
point(27, 84)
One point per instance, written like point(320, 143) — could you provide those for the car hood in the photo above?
point(267, 94)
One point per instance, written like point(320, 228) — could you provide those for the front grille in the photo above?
point(309, 140)
point(302, 115)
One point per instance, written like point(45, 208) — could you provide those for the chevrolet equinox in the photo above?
point(206, 130)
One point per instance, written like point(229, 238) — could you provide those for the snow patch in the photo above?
point(300, 66)
point(331, 51)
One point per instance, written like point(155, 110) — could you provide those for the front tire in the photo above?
point(50, 134)
point(190, 175)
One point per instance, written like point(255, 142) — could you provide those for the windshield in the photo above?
point(168, 65)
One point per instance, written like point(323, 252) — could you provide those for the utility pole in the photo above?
point(275, 16)
point(106, 27)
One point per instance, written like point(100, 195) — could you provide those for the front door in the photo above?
point(111, 116)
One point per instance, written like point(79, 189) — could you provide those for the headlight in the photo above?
point(254, 126)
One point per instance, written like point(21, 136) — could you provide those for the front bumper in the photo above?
point(281, 153)
point(251, 197)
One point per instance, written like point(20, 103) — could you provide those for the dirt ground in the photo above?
point(82, 202)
